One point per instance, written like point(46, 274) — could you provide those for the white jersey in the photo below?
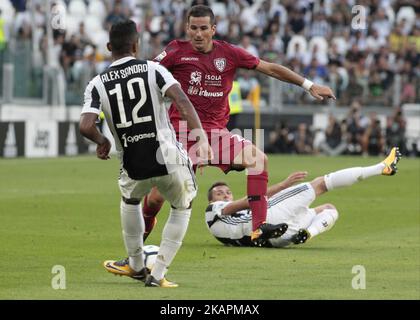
point(289, 206)
point(232, 229)
point(131, 93)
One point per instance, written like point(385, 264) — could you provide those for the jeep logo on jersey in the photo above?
point(195, 78)
point(220, 64)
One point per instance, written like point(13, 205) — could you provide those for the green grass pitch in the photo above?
point(65, 211)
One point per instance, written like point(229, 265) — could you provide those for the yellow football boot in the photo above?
point(122, 268)
point(163, 283)
point(391, 162)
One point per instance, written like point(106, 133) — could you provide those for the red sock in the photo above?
point(257, 197)
point(149, 214)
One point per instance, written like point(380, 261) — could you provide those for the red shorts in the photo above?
point(226, 146)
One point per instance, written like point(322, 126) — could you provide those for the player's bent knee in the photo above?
point(335, 214)
point(323, 207)
point(332, 211)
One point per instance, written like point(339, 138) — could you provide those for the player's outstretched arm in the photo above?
point(285, 74)
point(88, 129)
point(292, 179)
point(243, 204)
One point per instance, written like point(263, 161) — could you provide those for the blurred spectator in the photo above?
point(373, 41)
point(296, 52)
point(19, 5)
point(359, 40)
point(303, 140)
point(84, 38)
point(343, 8)
point(408, 83)
point(354, 54)
point(71, 50)
point(296, 21)
point(373, 140)
point(334, 56)
point(222, 27)
point(115, 15)
point(320, 56)
point(248, 46)
point(316, 71)
point(272, 49)
point(395, 131)
point(247, 82)
point(334, 144)
point(178, 8)
point(280, 140)
point(320, 26)
point(338, 22)
point(85, 69)
point(381, 23)
point(356, 124)
point(338, 79)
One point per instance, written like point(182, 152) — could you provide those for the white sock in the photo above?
point(347, 177)
point(322, 222)
point(172, 236)
point(133, 228)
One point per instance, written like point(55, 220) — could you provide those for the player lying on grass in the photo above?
point(231, 222)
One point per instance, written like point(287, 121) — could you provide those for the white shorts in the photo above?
point(179, 188)
point(291, 206)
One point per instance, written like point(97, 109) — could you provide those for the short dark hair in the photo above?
point(201, 11)
point(122, 36)
point(214, 185)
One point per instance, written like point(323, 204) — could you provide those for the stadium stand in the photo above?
point(375, 59)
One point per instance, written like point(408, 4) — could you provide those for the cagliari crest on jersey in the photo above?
point(220, 64)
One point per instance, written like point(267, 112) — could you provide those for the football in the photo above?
point(150, 253)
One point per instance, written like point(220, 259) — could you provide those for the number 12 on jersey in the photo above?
point(134, 116)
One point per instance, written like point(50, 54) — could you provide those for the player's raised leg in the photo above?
point(347, 177)
point(256, 163)
point(327, 214)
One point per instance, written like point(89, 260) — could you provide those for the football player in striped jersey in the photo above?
point(231, 221)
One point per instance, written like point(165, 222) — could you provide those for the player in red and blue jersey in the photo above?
point(205, 69)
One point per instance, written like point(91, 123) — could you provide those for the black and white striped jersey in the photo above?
point(289, 206)
point(131, 92)
point(234, 230)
